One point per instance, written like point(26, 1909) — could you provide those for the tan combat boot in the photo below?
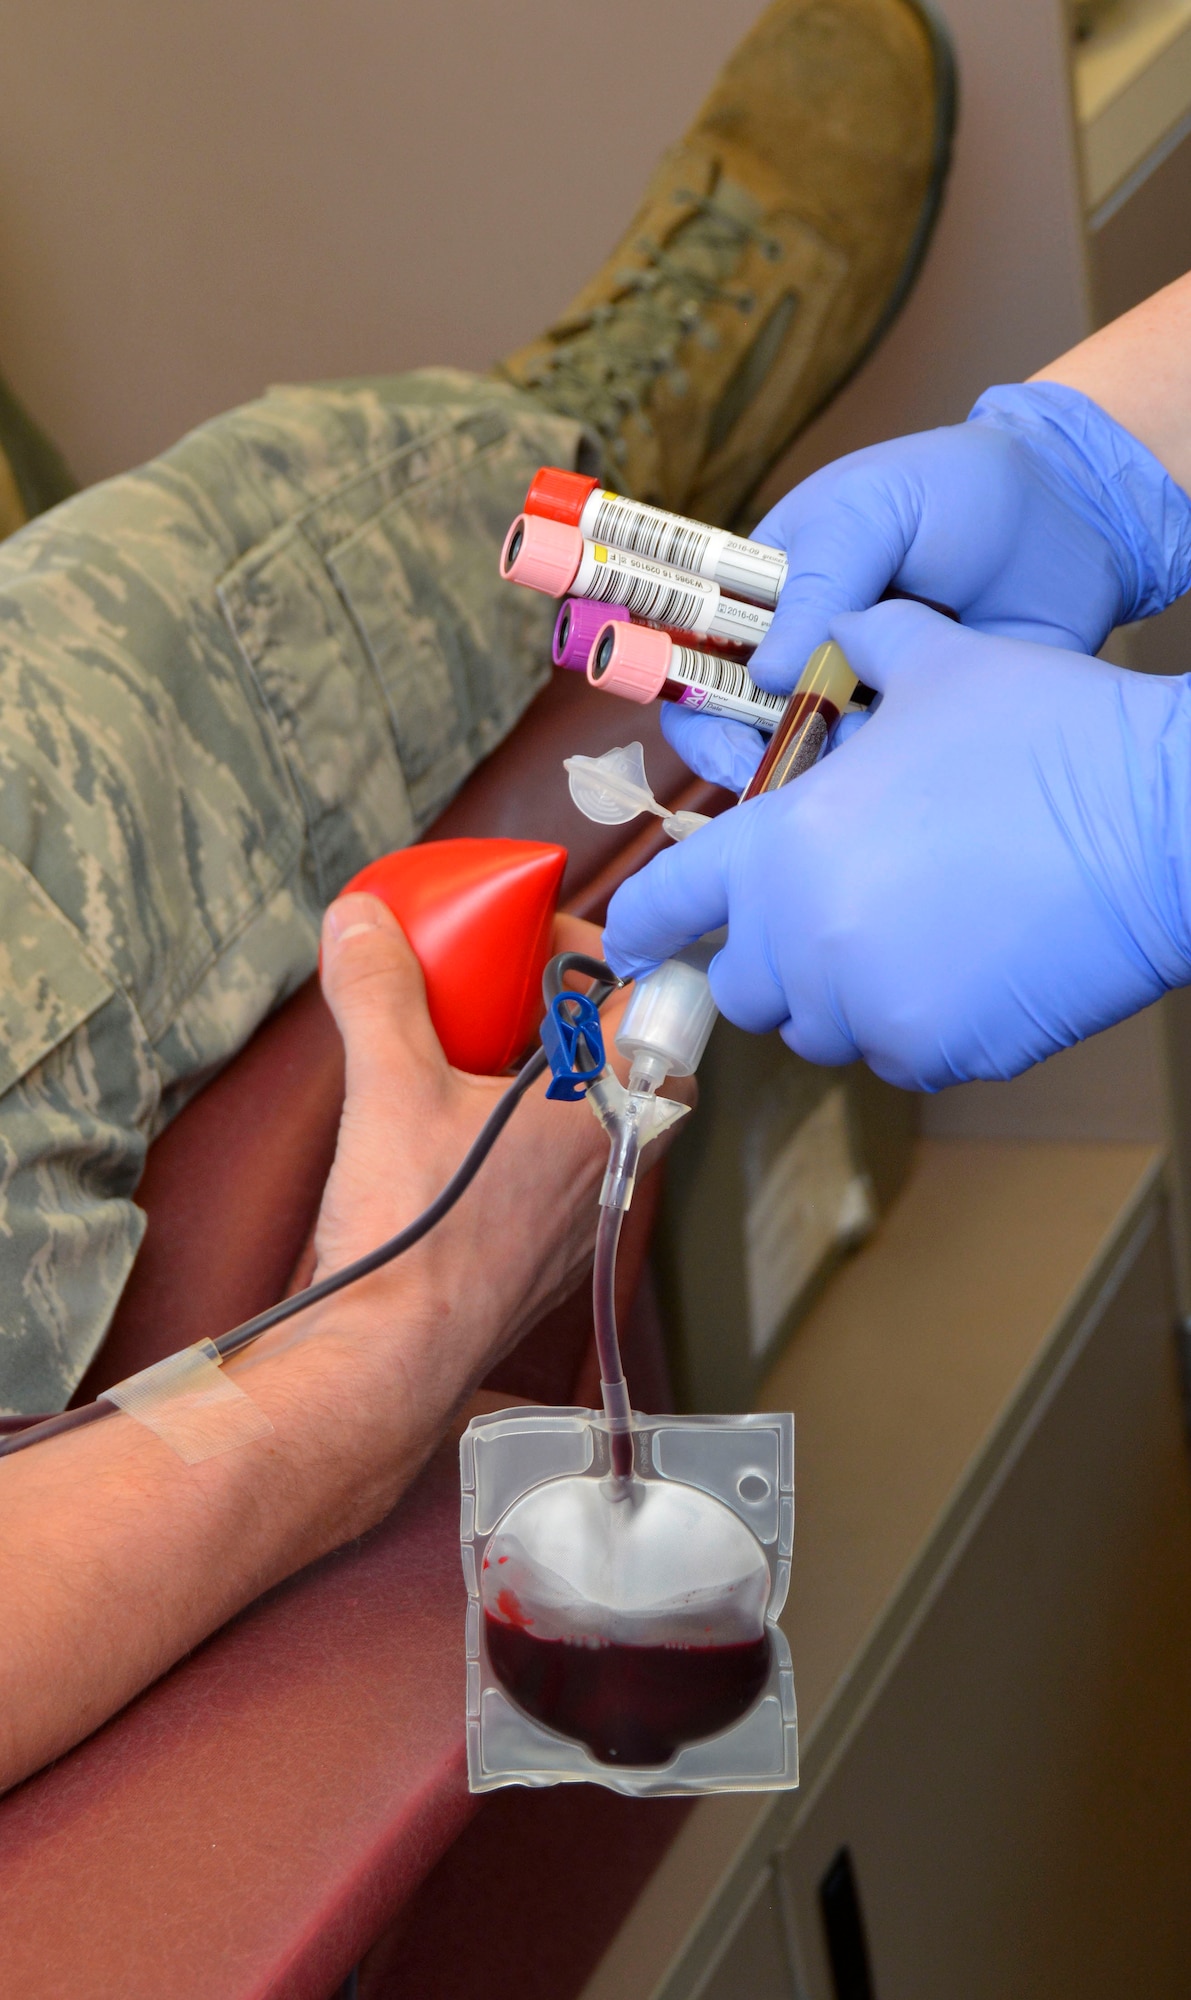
point(33, 474)
point(774, 246)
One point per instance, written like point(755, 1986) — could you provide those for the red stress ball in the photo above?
point(480, 917)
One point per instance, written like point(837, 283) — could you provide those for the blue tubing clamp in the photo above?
point(574, 1043)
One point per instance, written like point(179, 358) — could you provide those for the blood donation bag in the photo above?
point(622, 1630)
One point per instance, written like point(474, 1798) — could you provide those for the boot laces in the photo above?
point(605, 368)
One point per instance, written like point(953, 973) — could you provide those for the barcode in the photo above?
point(647, 531)
point(724, 676)
point(658, 601)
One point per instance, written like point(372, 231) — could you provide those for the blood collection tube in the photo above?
point(825, 687)
point(644, 665)
point(746, 569)
point(553, 557)
point(576, 628)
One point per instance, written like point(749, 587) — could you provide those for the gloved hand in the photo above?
point(1039, 518)
point(996, 865)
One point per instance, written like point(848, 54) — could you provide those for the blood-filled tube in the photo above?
point(825, 687)
point(644, 665)
point(745, 569)
point(554, 558)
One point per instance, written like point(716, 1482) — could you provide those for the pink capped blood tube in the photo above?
point(552, 556)
point(575, 630)
point(743, 568)
point(644, 665)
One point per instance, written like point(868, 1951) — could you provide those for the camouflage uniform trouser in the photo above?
point(228, 680)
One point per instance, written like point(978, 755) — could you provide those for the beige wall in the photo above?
point(197, 199)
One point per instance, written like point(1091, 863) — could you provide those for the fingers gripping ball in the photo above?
point(479, 915)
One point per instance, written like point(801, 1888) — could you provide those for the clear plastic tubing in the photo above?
point(664, 1033)
point(551, 557)
point(644, 665)
point(613, 1387)
point(824, 689)
point(745, 569)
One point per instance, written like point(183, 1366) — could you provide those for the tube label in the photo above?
point(647, 589)
point(722, 687)
point(669, 597)
point(743, 624)
point(751, 570)
point(736, 564)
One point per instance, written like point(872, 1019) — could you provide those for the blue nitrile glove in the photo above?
point(725, 753)
point(1039, 518)
point(996, 865)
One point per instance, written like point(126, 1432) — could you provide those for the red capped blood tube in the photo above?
point(741, 567)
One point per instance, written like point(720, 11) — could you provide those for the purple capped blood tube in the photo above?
point(575, 629)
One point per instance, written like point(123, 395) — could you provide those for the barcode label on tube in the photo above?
point(663, 603)
point(743, 624)
point(740, 569)
point(726, 680)
point(648, 531)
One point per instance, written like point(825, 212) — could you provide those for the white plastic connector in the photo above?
point(609, 1100)
point(614, 788)
point(668, 1020)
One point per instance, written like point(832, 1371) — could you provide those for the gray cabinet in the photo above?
point(1016, 1798)
point(990, 1612)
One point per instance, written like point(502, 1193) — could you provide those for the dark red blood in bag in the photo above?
point(480, 917)
point(629, 1704)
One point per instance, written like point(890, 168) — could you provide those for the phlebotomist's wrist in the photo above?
point(1112, 480)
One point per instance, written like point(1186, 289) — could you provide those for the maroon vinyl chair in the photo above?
point(290, 1802)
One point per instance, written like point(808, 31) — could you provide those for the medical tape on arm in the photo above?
point(191, 1405)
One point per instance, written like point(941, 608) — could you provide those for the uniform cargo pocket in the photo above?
point(457, 652)
point(48, 984)
point(384, 644)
